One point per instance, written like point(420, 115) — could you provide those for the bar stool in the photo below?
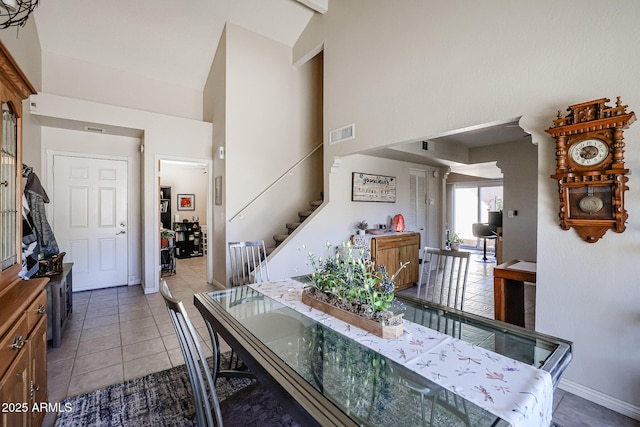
point(483, 231)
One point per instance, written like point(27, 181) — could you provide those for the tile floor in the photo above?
point(119, 333)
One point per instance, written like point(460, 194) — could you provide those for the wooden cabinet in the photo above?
point(23, 327)
point(23, 351)
point(38, 366)
point(391, 250)
point(14, 87)
point(14, 392)
point(59, 303)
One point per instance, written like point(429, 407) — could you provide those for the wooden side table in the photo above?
point(59, 303)
point(508, 290)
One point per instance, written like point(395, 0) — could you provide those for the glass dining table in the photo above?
point(325, 378)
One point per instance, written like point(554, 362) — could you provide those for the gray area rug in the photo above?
point(159, 399)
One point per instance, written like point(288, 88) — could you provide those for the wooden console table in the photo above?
point(393, 249)
point(508, 290)
point(59, 303)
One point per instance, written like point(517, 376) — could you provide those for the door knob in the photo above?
point(120, 232)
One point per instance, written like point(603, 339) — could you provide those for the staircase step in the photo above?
point(292, 226)
point(315, 204)
point(270, 249)
point(304, 215)
point(279, 238)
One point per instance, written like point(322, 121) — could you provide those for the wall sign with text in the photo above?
point(373, 188)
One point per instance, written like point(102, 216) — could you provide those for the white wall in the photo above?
point(163, 136)
point(65, 140)
point(268, 115)
point(270, 120)
point(518, 162)
point(24, 46)
point(83, 80)
point(406, 70)
point(25, 50)
point(214, 111)
point(335, 222)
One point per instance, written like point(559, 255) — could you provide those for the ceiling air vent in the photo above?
point(94, 129)
point(342, 134)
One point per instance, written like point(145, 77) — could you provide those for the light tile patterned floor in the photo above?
point(119, 333)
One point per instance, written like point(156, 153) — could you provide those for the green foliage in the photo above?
point(454, 238)
point(353, 278)
point(166, 233)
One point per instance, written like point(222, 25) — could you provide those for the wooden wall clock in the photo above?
point(590, 167)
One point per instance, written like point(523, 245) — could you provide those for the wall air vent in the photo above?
point(342, 134)
point(93, 129)
point(427, 145)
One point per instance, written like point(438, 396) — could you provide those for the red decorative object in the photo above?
point(397, 224)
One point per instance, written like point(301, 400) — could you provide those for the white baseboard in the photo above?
point(602, 399)
point(218, 285)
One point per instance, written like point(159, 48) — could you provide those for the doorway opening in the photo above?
point(183, 211)
point(471, 204)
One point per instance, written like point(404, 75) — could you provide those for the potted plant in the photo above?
point(454, 241)
point(354, 290)
point(362, 226)
point(165, 236)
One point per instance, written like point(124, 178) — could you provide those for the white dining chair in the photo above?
point(446, 276)
point(248, 263)
point(445, 284)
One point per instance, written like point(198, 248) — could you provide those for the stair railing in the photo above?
point(273, 184)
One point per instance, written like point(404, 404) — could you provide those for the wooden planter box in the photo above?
point(376, 328)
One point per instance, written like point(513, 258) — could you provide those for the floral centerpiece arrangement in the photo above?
point(354, 284)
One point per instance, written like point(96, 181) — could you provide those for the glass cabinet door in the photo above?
point(8, 190)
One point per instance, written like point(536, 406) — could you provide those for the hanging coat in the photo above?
point(36, 198)
point(30, 248)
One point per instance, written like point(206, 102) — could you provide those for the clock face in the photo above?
point(589, 152)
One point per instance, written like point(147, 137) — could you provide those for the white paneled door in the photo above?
point(90, 219)
point(417, 214)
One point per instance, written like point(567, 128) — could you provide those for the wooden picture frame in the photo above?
point(367, 187)
point(186, 202)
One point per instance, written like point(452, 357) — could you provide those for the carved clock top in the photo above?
point(591, 116)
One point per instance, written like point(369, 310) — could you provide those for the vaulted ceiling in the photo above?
point(176, 42)
point(161, 39)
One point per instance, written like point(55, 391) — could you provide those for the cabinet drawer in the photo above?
point(12, 342)
point(37, 309)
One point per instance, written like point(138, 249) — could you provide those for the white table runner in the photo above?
point(514, 391)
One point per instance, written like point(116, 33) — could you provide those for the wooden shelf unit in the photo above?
point(165, 206)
